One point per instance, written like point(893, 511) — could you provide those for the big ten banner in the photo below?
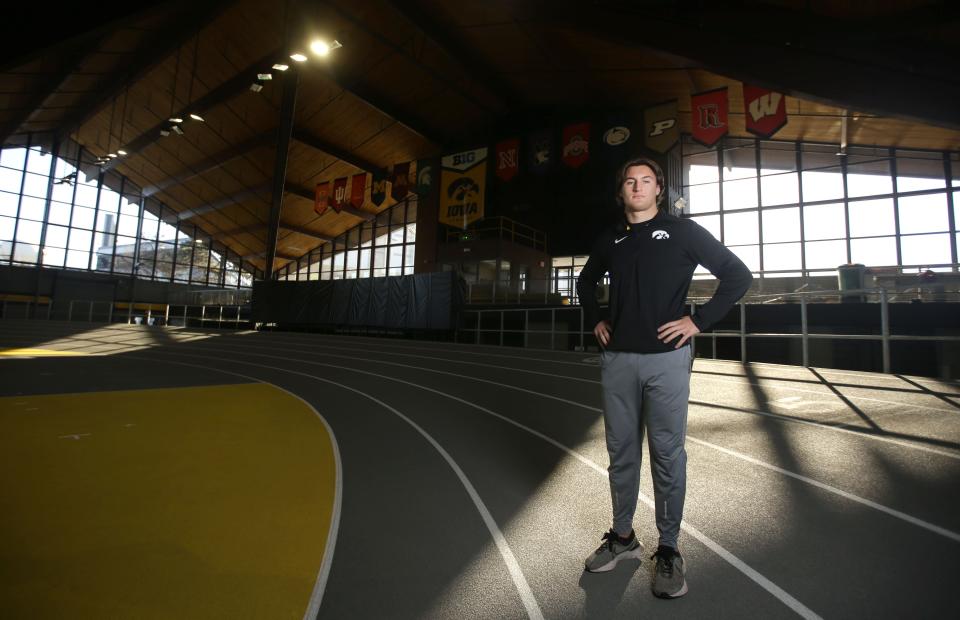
point(462, 181)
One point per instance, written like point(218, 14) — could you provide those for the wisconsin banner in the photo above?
point(576, 144)
point(540, 151)
point(321, 197)
point(661, 129)
point(401, 181)
point(339, 194)
point(378, 191)
point(507, 153)
point(708, 116)
point(463, 177)
point(765, 110)
point(426, 172)
point(357, 187)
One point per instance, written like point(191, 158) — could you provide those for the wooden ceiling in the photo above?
point(417, 78)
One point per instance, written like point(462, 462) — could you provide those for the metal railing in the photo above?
point(172, 315)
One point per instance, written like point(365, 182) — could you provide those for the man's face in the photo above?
point(639, 191)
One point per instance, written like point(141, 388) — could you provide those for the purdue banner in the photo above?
point(765, 110)
point(661, 129)
point(321, 197)
point(708, 116)
point(462, 180)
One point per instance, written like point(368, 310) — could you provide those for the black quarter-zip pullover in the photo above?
point(651, 265)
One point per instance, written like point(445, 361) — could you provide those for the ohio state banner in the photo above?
point(708, 116)
point(401, 181)
point(576, 144)
point(661, 127)
point(339, 194)
point(462, 181)
point(378, 191)
point(426, 171)
point(765, 110)
point(507, 154)
point(321, 197)
point(540, 151)
point(357, 186)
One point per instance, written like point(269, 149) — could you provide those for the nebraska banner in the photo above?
point(378, 191)
point(321, 197)
point(708, 116)
point(661, 128)
point(357, 187)
point(508, 159)
point(401, 181)
point(576, 144)
point(540, 151)
point(765, 110)
point(425, 174)
point(462, 181)
point(339, 194)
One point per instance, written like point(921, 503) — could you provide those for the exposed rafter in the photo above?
point(261, 226)
point(228, 201)
point(307, 194)
point(305, 137)
point(213, 162)
point(304, 231)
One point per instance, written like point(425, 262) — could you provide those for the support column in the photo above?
point(291, 80)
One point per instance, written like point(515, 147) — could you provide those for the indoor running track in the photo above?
point(471, 480)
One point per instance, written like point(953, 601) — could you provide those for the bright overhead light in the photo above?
point(175, 119)
point(298, 57)
point(111, 155)
point(177, 130)
point(256, 87)
point(322, 48)
point(263, 77)
point(280, 67)
point(196, 117)
point(121, 152)
point(165, 132)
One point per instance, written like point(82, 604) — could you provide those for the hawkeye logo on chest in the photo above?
point(660, 234)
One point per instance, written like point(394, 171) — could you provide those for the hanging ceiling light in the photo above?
point(280, 66)
point(322, 48)
point(196, 117)
point(298, 56)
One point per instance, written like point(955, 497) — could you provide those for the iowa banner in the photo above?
point(765, 110)
point(339, 194)
point(357, 187)
point(462, 180)
point(661, 129)
point(507, 154)
point(576, 144)
point(321, 198)
point(708, 116)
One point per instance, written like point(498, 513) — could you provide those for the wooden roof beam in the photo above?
point(306, 138)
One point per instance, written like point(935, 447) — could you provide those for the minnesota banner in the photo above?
point(765, 110)
point(321, 197)
point(708, 112)
point(661, 129)
point(462, 181)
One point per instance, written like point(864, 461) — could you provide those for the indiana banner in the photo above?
point(661, 127)
point(321, 198)
point(357, 187)
point(463, 177)
point(401, 181)
point(765, 110)
point(378, 191)
point(507, 154)
point(708, 116)
point(576, 144)
point(339, 194)
point(540, 151)
point(426, 171)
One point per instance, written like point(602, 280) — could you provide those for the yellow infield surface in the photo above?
point(32, 352)
point(201, 502)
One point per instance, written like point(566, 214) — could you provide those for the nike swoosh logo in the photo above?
point(620, 239)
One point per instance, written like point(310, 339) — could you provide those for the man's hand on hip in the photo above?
point(684, 327)
point(602, 331)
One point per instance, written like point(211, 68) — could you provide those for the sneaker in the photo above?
point(612, 551)
point(668, 580)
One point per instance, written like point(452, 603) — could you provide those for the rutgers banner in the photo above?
point(321, 197)
point(401, 181)
point(462, 180)
point(357, 187)
point(576, 144)
point(765, 110)
point(507, 154)
point(661, 129)
point(708, 116)
point(339, 194)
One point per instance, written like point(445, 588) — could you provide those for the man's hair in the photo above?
point(641, 161)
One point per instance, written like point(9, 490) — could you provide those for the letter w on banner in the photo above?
point(708, 112)
point(765, 110)
point(462, 181)
point(321, 198)
point(339, 194)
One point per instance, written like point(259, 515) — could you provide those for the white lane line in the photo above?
point(523, 588)
point(320, 585)
point(896, 513)
point(840, 428)
point(733, 560)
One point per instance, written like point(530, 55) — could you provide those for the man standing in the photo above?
point(646, 361)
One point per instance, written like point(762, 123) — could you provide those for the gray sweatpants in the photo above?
point(652, 390)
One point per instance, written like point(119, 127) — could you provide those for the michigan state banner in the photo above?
point(661, 129)
point(426, 171)
point(462, 180)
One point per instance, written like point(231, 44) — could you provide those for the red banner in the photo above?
point(765, 110)
point(576, 144)
point(508, 159)
point(401, 181)
point(708, 116)
point(339, 194)
point(357, 188)
point(321, 197)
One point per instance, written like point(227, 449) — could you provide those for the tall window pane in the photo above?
point(927, 213)
point(925, 249)
point(740, 228)
point(918, 170)
point(824, 221)
point(872, 217)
